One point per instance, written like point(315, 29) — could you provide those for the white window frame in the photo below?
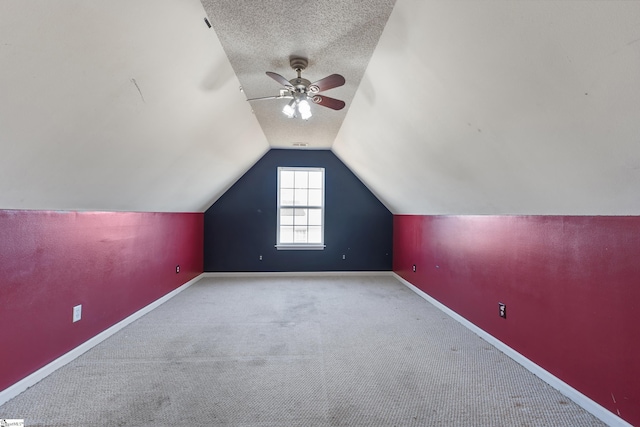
point(300, 246)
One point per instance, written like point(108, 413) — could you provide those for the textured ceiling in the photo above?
point(453, 107)
point(336, 37)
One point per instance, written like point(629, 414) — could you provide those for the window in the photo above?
point(300, 208)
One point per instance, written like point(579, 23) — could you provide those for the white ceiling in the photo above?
point(465, 107)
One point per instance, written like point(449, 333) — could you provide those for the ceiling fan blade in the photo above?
point(325, 101)
point(329, 82)
point(277, 77)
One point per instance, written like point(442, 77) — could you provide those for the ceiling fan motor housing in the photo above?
point(300, 84)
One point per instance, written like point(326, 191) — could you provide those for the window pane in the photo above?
point(286, 197)
point(286, 216)
point(315, 217)
point(315, 197)
point(301, 217)
point(286, 179)
point(301, 179)
point(315, 179)
point(300, 235)
point(300, 197)
point(286, 234)
point(315, 234)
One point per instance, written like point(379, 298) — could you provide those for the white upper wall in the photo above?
point(501, 107)
point(118, 105)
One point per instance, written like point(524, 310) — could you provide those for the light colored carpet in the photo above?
point(295, 351)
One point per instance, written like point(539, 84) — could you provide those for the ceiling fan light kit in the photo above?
point(301, 91)
point(304, 109)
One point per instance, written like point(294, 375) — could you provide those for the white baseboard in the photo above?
point(17, 388)
point(585, 402)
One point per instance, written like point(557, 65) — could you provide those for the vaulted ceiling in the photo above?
point(452, 107)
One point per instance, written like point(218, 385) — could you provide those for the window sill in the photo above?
point(302, 247)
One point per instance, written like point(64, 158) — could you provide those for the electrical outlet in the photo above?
point(177, 269)
point(77, 313)
point(260, 257)
point(414, 268)
point(344, 256)
point(502, 310)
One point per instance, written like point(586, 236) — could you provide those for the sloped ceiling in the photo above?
point(501, 107)
point(464, 107)
point(118, 105)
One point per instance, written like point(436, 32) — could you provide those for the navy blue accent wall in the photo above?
point(241, 225)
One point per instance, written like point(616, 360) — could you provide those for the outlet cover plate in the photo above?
point(502, 310)
point(77, 313)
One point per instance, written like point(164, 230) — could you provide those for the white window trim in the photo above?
point(299, 246)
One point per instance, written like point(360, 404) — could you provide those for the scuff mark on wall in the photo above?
point(139, 91)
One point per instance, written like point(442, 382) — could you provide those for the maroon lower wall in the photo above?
point(113, 263)
point(571, 286)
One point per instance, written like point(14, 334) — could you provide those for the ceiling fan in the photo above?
point(301, 91)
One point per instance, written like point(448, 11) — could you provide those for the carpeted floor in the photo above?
point(295, 351)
